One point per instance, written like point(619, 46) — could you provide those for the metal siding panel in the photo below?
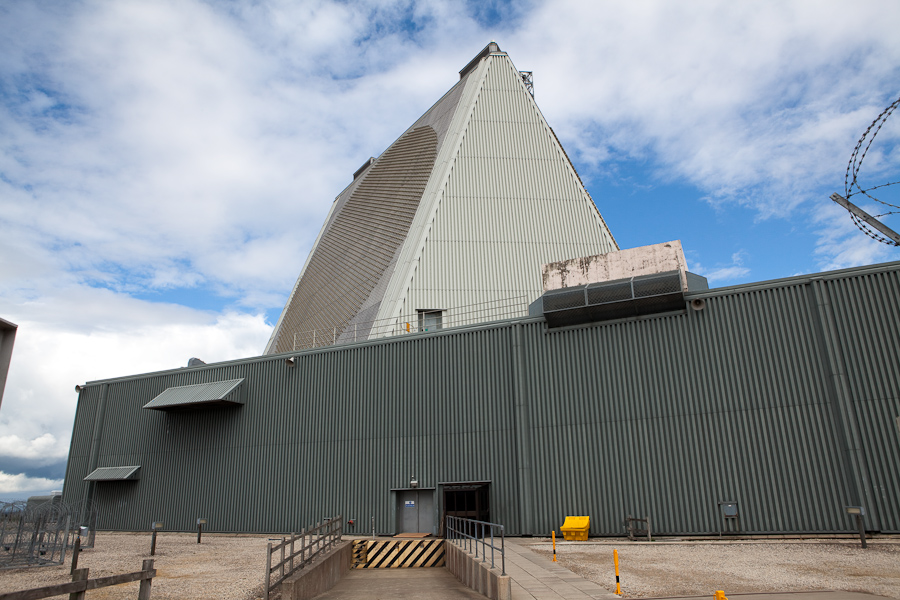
point(503, 213)
point(665, 415)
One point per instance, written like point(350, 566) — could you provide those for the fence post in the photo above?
point(268, 569)
point(283, 544)
point(144, 591)
point(302, 545)
point(75, 552)
point(79, 575)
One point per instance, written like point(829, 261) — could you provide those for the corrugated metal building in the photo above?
point(459, 211)
point(782, 396)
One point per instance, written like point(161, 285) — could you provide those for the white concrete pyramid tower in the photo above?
point(450, 225)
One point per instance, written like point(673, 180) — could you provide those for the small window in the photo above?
point(430, 320)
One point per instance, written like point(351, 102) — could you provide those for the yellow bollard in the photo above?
point(720, 595)
point(616, 560)
point(553, 533)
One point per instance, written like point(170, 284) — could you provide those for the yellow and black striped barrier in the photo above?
point(398, 554)
point(359, 554)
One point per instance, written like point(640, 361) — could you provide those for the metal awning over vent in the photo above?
point(642, 295)
point(114, 474)
point(216, 393)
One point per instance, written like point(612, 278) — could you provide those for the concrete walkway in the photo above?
point(539, 578)
point(534, 577)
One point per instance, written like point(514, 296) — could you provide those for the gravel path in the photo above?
point(699, 568)
point(223, 567)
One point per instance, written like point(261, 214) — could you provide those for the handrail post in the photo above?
point(503, 550)
point(483, 547)
point(303, 546)
point(492, 546)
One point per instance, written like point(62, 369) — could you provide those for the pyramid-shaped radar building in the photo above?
point(450, 225)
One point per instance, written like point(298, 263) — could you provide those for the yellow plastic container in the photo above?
point(575, 529)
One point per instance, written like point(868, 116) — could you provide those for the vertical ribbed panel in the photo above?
point(512, 203)
point(356, 249)
point(332, 435)
point(668, 416)
point(782, 397)
point(867, 322)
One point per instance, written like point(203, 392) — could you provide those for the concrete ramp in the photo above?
point(390, 584)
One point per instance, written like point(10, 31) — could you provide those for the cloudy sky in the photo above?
point(166, 165)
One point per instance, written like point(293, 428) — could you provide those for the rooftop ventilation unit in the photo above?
point(641, 295)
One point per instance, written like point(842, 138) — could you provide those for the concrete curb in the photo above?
point(320, 576)
point(475, 574)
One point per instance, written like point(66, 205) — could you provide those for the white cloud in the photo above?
point(725, 273)
point(44, 446)
point(14, 484)
point(752, 102)
point(841, 245)
point(194, 145)
point(82, 334)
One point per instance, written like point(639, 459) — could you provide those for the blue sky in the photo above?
point(166, 166)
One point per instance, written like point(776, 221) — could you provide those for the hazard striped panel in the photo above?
point(398, 554)
point(359, 554)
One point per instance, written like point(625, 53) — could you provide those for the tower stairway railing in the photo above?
point(419, 322)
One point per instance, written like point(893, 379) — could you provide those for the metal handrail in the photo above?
point(459, 316)
point(314, 541)
point(464, 533)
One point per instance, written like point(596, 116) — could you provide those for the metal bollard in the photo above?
point(616, 560)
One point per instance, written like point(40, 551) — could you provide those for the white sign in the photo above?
point(410, 504)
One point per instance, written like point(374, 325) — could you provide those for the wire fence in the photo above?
point(420, 322)
point(34, 535)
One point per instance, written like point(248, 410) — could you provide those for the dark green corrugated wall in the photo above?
point(782, 396)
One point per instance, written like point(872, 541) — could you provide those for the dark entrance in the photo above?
point(468, 501)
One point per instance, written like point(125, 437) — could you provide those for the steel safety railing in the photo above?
point(299, 550)
point(470, 534)
point(421, 321)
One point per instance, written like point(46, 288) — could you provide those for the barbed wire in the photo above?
point(851, 176)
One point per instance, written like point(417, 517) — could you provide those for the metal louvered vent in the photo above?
point(614, 291)
point(657, 284)
point(357, 247)
point(642, 295)
point(565, 298)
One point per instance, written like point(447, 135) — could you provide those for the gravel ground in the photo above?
point(231, 567)
point(223, 567)
point(664, 568)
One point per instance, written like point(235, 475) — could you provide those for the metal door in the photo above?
point(415, 511)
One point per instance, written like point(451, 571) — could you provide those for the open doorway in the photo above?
point(467, 500)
